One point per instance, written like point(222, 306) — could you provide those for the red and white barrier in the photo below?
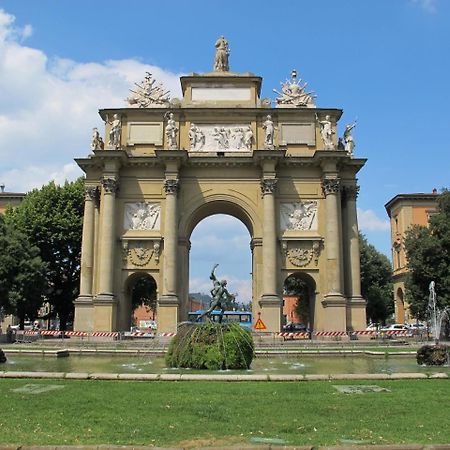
point(105, 334)
point(166, 334)
point(50, 333)
point(330, 333)
point(301, 335)
point(76, 333)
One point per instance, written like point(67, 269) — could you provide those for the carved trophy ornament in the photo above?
point(299, 216)
point(142, 216)
point(301, 254)
point(294, 94)
point(140, 253)
point(148, 94)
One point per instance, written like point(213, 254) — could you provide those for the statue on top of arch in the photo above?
point(148, 94)
point(222, 52)
point(294, 94)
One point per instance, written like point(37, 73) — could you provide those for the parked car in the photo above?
point(396, 327)
point(372, 327)
point(295, 327)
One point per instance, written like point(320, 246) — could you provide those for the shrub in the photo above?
point(211, 346)
point(433, 355)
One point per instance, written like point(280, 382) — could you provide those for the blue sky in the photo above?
point(385, 62)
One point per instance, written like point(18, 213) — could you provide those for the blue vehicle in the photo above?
point(243, 318)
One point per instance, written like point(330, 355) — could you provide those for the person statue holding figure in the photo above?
point(220, 296)
point(222, 53)
point(193, 136)
point(349, 143)
point(326, 131)
point(248, 137)
point(115, 131)
point(97, 141)
point(269, 130)
point(171, 131)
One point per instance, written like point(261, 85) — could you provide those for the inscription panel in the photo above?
point(297, 133)
point(145, 133)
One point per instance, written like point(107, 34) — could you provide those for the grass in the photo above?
point(208, 413)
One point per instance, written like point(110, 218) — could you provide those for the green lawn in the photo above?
point(208, 413)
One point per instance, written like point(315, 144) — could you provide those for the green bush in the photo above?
point(433, 355)
point(211, 346)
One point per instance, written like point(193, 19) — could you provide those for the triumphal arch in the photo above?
point(166, 164)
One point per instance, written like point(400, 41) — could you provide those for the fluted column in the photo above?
point(171, 187)
point(333, 243)
point(106, 260)
point(87, 243)
point(269, 237)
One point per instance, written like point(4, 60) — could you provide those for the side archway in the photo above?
point(299, 299)
point(141, 294)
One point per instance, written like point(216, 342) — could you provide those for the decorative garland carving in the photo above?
point(268, 185)
point(331, 186)
point(171, 186)
point(300, 257)
point(139, 253)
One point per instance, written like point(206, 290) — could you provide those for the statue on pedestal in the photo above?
point(326, 131)
point(222, 53)
point(349, 143)
point(269, 133)
point(115, 131)
point(97, 141)
point(171, 131)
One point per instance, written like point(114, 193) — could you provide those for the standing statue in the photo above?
point(171, 131)
point(220, 296)
point(97, 141)
point(326, 131)
point(269, 130)
point(248, 138)
point(115, 131)
point(349, 143)
point(222, 53)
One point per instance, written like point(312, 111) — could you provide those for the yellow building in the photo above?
point(8, 199)
point(404, 211)
point(167, 164)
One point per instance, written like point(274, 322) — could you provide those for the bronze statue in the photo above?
point(220, 296)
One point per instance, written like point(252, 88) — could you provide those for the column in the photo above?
point(168, 301)
point(83, 304)
point(336, 317)
point(87, 243)
point(270, 302)
point(356, 305)
point(105, 303)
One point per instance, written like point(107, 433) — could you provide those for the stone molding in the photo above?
point(171, 186)
point(331, 186)
point(268, 185)
point(110, 185)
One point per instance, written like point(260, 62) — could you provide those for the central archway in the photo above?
point(213, 208)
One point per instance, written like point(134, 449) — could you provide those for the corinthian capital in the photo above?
point(351, 192)
point(171, 186)
point(268, 185)
point(90, 193)
point(331, 186)
point(110, 185)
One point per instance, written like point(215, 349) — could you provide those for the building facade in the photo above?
point(168, 164)
point(404, 211)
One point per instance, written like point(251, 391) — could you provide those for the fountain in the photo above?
point(434, 355)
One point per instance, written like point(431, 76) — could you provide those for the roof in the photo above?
point(419, 196)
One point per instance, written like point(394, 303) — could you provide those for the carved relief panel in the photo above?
point(301, 216)
point(217, 137)
point(142, 216)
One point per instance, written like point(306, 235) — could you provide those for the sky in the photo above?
point(384, 62)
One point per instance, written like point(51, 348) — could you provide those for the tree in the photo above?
point(22, 274)
point(376, 282)
point(144, 293)
point(428, 256)
point(51, 218)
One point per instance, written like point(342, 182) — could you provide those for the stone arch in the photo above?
point(309, 293)
point(400, 312)
point(129, 285)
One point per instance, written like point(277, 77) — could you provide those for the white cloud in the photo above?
point(368, 221)
point(429, 6)
point(48, 106)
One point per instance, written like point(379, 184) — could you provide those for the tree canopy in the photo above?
point(428, 255)
point(376, 282)
point(22, 274)
point(51, 218)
